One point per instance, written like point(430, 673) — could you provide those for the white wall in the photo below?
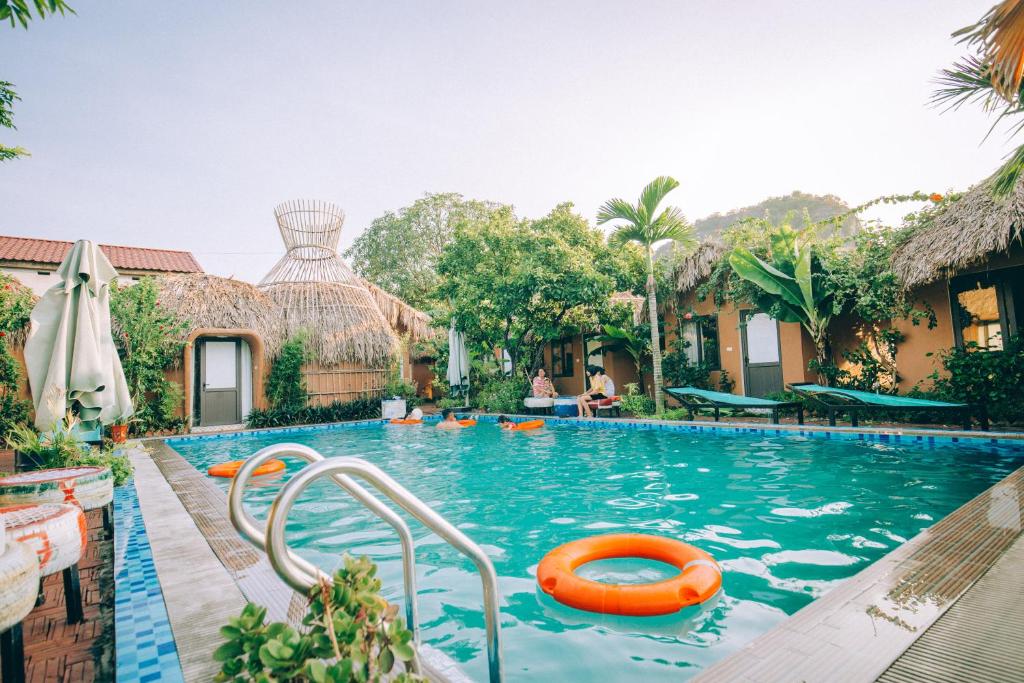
point(39, 283)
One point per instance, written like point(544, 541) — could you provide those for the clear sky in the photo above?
point(182, 124)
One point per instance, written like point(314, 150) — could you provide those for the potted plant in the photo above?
point(119, 430)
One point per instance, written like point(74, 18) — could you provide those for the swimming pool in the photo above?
point(787, 516)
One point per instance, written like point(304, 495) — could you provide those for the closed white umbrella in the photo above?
point(70, 354)
point(458, 361)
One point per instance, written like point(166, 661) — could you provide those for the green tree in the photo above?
point(643, 224)
point(20, 11)
point(149, 340)
point(620, 339)
point(517, 285)
point(400, 250)
point(15, 309)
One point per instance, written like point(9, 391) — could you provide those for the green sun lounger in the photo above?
point(694, 400)
point(835, 400)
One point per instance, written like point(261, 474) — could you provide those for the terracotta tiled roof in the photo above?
point(129, 258)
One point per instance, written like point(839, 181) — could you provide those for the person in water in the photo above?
point(505, 422)
point(601, 386)
point(448, 420)
point(415, 414)
point(542, 387)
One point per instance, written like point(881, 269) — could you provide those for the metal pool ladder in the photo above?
point(303, 575)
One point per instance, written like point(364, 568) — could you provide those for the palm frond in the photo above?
point(628, 233)
point(966, 82)
point(654, 193)
point(618, 209)
point(1007, 176)
point(999, 38)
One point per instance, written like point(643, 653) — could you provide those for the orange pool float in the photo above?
point(528, 425)
point(699, 575)
point(404, 421)
point(230, 469)
point(467, 423)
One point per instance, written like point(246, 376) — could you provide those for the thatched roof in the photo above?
point(965, 234)
point(634, 301)
point(697, 266)
point(402, 317)
point(209, 301)
point(342, 320)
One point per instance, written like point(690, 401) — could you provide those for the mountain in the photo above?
point(820, 207)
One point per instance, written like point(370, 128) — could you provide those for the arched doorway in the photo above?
point(223, 372)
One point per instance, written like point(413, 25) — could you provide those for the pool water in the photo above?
point(788, 517)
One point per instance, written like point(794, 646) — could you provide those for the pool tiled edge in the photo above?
point(145, 648)
point(857, 630)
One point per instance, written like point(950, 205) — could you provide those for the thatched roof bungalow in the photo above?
point(976, 231)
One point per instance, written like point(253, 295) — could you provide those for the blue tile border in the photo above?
point(144, 645)
point(927, 437)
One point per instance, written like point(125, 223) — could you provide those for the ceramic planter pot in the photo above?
point(118, 433)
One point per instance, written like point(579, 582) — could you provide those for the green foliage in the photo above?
point(337, 411)
point(636, 403)
point(680, 372)
point(619, 339)
point(990, 378)
point(726, 384)
point(286, 387)
point(400, 251)
point(517, 285)
point(791, 283)
point(350, 634)
point(7, 99)
point(60, 448)
point(447, 402)
point(20, 11)
point(15, 308)
point(501, 395)
point(149, 340)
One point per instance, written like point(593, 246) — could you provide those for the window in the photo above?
point(593, 353)
point(561, 358)
point(985, 308)
point(700, 340)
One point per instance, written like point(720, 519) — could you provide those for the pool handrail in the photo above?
point(250, 529)
point(280, 555)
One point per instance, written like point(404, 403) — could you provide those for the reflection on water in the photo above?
point(788, 518)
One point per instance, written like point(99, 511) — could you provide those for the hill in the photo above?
point(820, 207)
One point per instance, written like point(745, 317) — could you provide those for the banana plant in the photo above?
point(790, 289)
point(619, 339)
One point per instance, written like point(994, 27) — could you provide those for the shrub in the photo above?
point(61, 449)
point(286, 387)
point(338, 411)
point(149, 341)
point(15, 308)
point(350, 634)
point(990, 378)
point(501, 395)
point(635, 402)
point(680, 372)
point(725, 382)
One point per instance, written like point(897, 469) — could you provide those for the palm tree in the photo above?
point(644, 225)
point(992, 76)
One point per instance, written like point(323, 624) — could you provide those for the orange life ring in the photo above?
point(230, 469)
point(699, 575)
point(529, 424)
point(405, 421)
point(467, 423)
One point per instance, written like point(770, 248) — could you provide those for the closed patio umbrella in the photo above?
point(69, 353)
point(458, 361)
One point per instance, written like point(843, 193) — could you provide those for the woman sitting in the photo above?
point(601, 386)
point(542, 387)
